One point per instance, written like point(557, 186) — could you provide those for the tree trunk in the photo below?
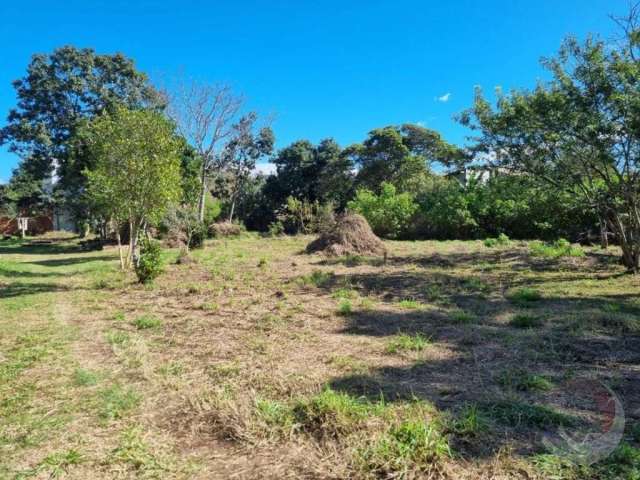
point(604, 239)
point(203, 191)
point(233, 206)
point(122, 265)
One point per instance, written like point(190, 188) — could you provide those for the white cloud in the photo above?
point(265, 168)
point(444, 98)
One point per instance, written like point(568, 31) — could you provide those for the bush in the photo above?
point(212, 209)
point(557, 249)
point(389, 214)
point(502, 240)
point(275, 229)
point(198, 235)
point(149, 265)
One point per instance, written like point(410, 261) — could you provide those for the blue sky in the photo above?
point(323, 68)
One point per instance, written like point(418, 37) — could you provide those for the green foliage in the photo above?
point(84, 378)
point(317, 278)
point(276, 229)
point(149, 265)
point(116, 401)
point(389, 213)
point(525, 321)
point(345, 307)
point(407, 343)
point(557, 249)
point(502, 240)
point(411, 445)
point(212, 209)
point(515, 413)
point(145, 322)
point(136, 175)
point(522, 380)
point(524, 296)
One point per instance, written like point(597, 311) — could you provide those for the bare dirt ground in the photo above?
point(449, 360)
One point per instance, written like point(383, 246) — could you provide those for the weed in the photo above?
point(500, 241)
point(520, 379)
point(460, 316)
point(345, 293)
point(115, 401)
point(317, 278)
point(469, 422)
point(525, 321)
point(262, 263)
point(409, 446)
point(275, 414)
point(117, 337)
point(345, 307)
point(517, 414)
point(84, 378)
point(557, 249)
point(524, 296)
point(407, 343)
point(134, 451)
point(145, 322)
point(409, 304)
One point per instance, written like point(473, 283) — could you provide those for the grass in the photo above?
point(345, 308)
point(499, 241)
point(516, 413)
point(559, 248)
point(407, 343)
point(522, 320)
point(145, 322)
point(522, 380)
point(524, 296)
point(116, 401)
point(241, 357)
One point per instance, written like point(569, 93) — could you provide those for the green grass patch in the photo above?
point(407, 343)
point(317, 278)
point(521, 380)
point(145, 322)
point(345, 308)
point(522, 320)
point(84, 378)
point(410, 304)
point(116, 401)
point(519, 414)
point(559, 248)
point(524, 296)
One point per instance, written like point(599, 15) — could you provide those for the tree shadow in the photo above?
point(19, 289)
point(59, 262)
point(467, 365)
point(8, 273)
point(38, 249)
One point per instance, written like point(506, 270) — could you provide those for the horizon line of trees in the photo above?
point(568, 150)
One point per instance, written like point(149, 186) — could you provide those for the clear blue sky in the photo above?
point(324, 68)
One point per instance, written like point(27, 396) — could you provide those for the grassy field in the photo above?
point(449, 360)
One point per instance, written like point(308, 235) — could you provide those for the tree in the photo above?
point(136, 173)
point(205, 115)
point(400, 155)
point(312, 172)
point(580, 132)
point(60, 92)
point(241, 153)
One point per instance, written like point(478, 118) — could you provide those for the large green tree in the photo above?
point(401, 156)
point(580, 132)
point(60, 92)
point(135, 176)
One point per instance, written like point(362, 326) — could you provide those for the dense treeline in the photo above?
point(559, 161)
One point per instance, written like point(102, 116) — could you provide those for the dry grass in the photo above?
point(248, 364)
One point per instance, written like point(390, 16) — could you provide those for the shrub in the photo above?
point(389, 213)
point(557, 249)
point(149, 265)
point(276, 229)
point(502, 240)
point(145, 321)
point(525, 296)
point(345, 307)
point(198, 236)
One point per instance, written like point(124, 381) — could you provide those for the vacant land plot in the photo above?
point(449, 360)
